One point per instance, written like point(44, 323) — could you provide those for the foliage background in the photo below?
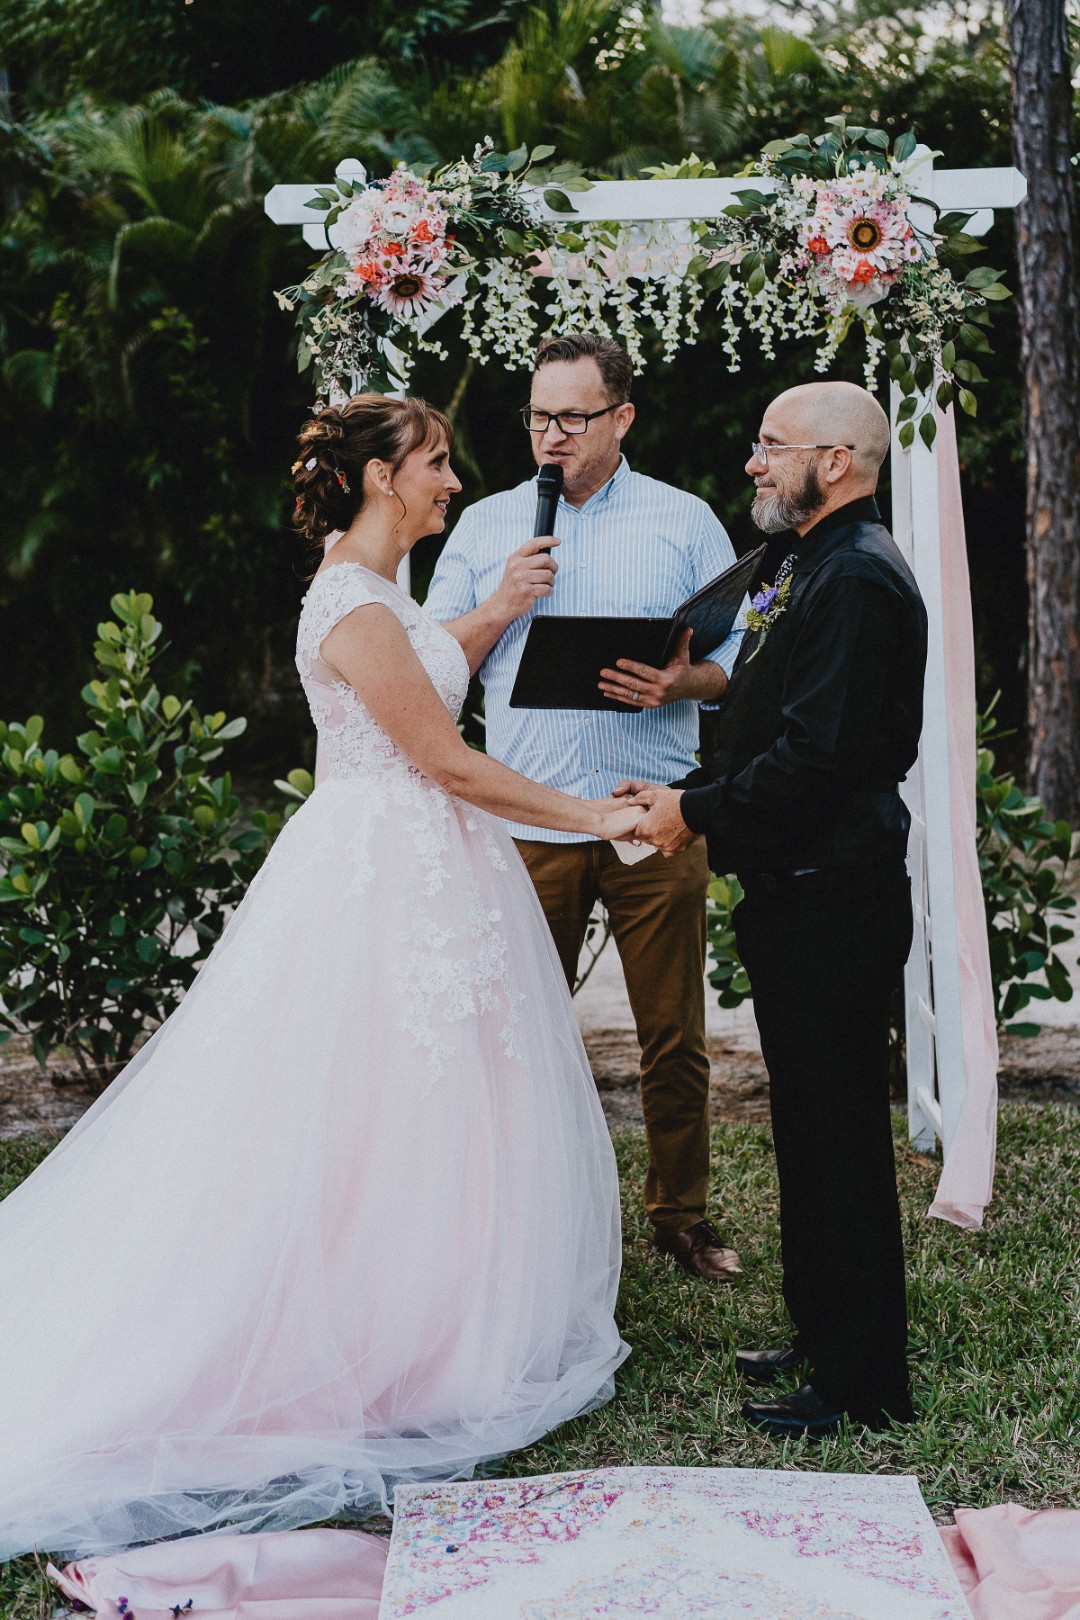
point(148, 396)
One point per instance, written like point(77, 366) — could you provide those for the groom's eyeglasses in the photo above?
point(565, 421)
point(762, 452)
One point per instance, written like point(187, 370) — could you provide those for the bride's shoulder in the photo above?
point(349, 582)
point(335, 591)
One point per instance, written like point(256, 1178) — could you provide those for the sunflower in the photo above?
point(407, 292)
point(864, 234)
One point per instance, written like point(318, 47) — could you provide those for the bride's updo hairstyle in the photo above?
point(336, 446)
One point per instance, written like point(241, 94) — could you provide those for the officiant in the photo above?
point(820, 724)
point(624, 545)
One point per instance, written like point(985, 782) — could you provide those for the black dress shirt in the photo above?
point(821, 719)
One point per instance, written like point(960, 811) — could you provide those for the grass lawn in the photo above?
point(994, 1336)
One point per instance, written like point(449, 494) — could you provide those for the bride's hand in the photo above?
point(618, 819)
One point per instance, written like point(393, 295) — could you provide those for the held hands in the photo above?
point(529, 574)
point(617, 819)
point(662, 824)
point(643, 687)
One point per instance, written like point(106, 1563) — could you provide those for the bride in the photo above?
point(350, 1217)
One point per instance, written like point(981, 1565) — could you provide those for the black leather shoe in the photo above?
point(802, 1413)
point(768, 1366)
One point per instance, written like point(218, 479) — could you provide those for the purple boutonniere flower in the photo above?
point(764, 610)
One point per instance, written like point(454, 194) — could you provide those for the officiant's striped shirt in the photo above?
point(636, 548)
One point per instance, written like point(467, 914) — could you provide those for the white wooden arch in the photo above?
point(935, 1048)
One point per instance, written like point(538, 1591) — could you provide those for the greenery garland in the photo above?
point(839, 240)
point(407, 247)
point(836, 243)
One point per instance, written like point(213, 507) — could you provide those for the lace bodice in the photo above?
point(353, 744)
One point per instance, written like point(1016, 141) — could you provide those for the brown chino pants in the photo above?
point(657, 914)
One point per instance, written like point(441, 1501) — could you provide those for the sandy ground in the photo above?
point(1043, 1068)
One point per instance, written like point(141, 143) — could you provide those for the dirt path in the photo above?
point(1044, 1069)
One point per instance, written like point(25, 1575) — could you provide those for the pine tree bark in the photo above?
point(1042, 117)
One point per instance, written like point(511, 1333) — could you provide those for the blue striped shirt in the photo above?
point(636, 548)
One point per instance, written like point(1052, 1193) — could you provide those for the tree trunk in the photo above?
point(1042, 116)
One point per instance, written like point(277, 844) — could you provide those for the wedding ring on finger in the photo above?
point(634, 696)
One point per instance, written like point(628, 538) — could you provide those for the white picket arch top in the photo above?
point(935, 1046)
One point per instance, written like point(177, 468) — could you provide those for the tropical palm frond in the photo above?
point(555, 44)
point(33, 542)
point(159, 238)
point(31, 375)
point(691, 53)
point(134, 146)
point(787, 54)
point(222, 226)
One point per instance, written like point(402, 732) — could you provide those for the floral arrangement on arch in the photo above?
point(839, 241)
point(842, 240)
point(409, 246)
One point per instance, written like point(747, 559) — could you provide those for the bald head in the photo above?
point(823, 447)
point(839, 413)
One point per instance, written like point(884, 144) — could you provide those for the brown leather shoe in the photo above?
point(700, 1251)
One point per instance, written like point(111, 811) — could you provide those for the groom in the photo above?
point(820, 723)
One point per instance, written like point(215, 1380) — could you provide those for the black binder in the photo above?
point(563, 654)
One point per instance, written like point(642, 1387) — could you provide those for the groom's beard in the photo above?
point(774, 512)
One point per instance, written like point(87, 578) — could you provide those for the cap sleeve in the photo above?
point(331, 597)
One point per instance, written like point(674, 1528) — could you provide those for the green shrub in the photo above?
point(729, 978)
point(1023, 858)
point(121, 862)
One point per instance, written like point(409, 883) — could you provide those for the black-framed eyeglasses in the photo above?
point(565, 421)
point(762, 452)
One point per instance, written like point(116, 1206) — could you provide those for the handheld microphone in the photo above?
point(549, 482)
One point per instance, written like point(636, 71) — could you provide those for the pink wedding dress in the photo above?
point(351, 1216)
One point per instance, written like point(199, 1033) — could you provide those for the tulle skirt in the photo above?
point(349, 1218)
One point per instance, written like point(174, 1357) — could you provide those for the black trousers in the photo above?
point(824, 952)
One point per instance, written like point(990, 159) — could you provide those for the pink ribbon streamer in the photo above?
point(967, 1179)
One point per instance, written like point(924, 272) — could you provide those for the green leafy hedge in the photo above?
point(121, 861)
point(1024, 859)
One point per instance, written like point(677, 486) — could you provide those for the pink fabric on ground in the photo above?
point(967, 1180)
point(1014, 1564)
point(287, 1575)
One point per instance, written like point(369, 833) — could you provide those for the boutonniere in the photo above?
point(764, 610)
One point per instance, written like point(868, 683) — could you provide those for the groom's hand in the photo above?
point(663, 825)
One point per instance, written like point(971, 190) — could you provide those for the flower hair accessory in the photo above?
point(343, 481)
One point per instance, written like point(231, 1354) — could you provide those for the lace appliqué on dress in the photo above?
point(441, 985)
point(449, 972)
point(355, 745)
